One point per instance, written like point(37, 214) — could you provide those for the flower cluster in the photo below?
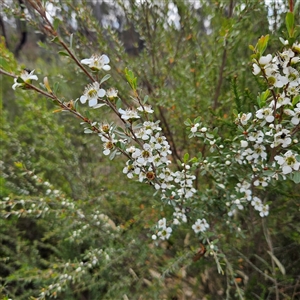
point(142, 141)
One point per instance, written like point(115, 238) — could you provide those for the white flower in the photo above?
point(162, 223)
point(263, 181)
point(97, 62)
point(200, 226)
point(244, 118)
point(265, 113)
point(294, 113)
point(282, 137)
point(264, 210)
point(256, 69)
point(91, 93)
point(264, 60)
point(129, 114)
point(244, 144)
point(292, 76)
point(282, 100)
point(130, 169)
point(112, 93)
point(108, 145)
point(146, 109)
point(26, 76)
point(256, 136)
point(288, 162)
point(194, 127)
point(165, 233)
point(256, 202)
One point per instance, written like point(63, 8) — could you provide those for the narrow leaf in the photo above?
point(56, 23)
point(63, 53)
point(289, 22)
point(71, 41)
point(277, 262)
point(106, 77)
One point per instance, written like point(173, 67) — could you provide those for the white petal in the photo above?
point(83, 99)
point(106, 152)
point(106, 67)
point(265, 59)
point(93, 102)
point(86, 61)
point(105, 59)
point(286, 170)
point(101, 93)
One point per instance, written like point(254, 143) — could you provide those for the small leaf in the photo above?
point(186, 157)
point(4, 64)
point(262, 44)
point(145, 99)
point(277, 262)
point(106, 77)
point(63, 53)
point(71, 40)
point(20, 80)
point(296, 177)
point(290, 22)
point(296, 100)
point(113, 154)
point(87, 130)
point(42, 45)
point(251, 47)
point(55, 40)
point(188, 122)
point(56, 23)
point(56, 87)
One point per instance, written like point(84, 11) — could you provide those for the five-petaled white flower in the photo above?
point(112, 93)
point(146, 109)
point(91, 93)
point(129, 114)
point(97, 62)
point(26, 76)
point(288, 162)
point(265, 113)
point(200, 226)
point(165, 233)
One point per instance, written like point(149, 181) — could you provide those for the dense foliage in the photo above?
point(74, 226)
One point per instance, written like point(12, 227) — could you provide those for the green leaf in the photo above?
point(188, 122)
point(262, 44)
point(113, 154)
point(63, 53)
point(55, 87)
point(56, 23)
point(131, 79)
point(296, 177)
point(277, 262)
point(4, 64)
point(262, 99)
point(186, 157)
point(290, 22)
point(106, 77)
point(42, 45)
point(71, 40)
point(55, 40)
point(145, 99)
point(296, 99)
point(20, 80)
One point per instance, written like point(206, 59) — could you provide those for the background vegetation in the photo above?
point(66, 206)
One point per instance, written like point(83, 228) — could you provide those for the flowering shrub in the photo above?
point(239, 171)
